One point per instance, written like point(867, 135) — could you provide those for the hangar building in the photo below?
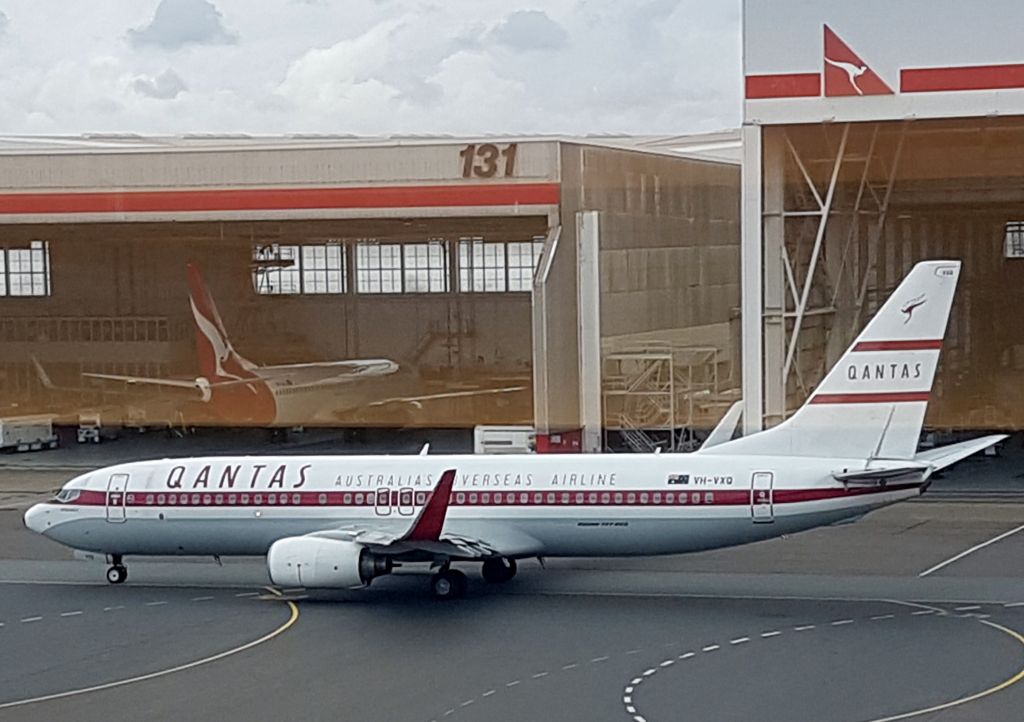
point(576, 285)
point(873, 140)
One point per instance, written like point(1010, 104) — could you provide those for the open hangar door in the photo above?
point(850, 208)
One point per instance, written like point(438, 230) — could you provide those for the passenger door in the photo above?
point(117, 488)
point(761, 498)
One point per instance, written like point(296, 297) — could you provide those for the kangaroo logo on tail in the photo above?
point(912, 305)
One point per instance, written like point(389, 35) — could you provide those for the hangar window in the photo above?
point(497, 266)
point(1014, 241)
point(313, 268)
point(402, 267)
point(25, 271)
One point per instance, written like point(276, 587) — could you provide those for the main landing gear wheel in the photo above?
point(498, 570)
point(448, 584)
point(117, 574)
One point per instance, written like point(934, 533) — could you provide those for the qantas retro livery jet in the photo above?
point(339, 522)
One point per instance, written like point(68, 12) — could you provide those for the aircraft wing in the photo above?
point(445, 395)
point(475, 540)
point(143, 380)
point(945, 456)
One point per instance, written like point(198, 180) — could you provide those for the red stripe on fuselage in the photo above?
point(397, 498)
point(904, 345)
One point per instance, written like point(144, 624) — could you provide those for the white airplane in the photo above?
point(341, 521)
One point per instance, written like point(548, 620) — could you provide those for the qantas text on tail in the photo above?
point(340, 521)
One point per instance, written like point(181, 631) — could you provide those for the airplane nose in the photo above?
point(37, 518)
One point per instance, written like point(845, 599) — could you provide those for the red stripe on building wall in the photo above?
point(783, 85)
point(971, 77)
point(870, 398)
point(906, 345)
point(265, 199)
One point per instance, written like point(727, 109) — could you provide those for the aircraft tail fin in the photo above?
point(873, 401)
point(217, 357)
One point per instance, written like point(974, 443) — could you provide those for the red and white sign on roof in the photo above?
point(825, 60)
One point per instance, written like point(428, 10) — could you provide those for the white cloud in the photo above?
point(371, 66)
point(530, 30)
point(165, 86)
point(177, 23)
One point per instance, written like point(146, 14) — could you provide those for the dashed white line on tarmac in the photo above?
point(976, 547)
point(803, 628)
point(969, 608)
point(739, 640)
point(466, 703)
point(71, 614)
point(513, 683)
point(155, 604)
point(841, 622)
point(113, 609)
point(248, 594)
point(488, 693)
point(573, 665)
point(27, 620)
point(1014, 604)
point(711, 648)
point(595, 660)
point(923, 612)
point(538, 675)
point(667, 663)
point(768, 635)
point(687, 655)
point(649, 672)
point(201, 599)
point(633, 651)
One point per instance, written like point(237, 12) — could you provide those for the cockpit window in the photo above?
point(66, 496)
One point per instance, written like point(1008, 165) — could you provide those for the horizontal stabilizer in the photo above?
point(945, 456)
point(873, 477)
point(726, 427)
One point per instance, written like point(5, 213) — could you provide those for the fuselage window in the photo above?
point(421, 497)
point(160, 499)
point(538, 498)
point(66, 496)
point(551, 497)
point(565, 498)
point(643, 498)
point(195, 500)
point(322, 499)
point(657, 497)
point(206, 499)
point(472, 498)
point(149, 498)
point(618, 497)
point(460, 498)
point(172, 499)
point(258, 499)
point(232, 499)
point(347, 499)
point(296, 499)
point(592, 498)
point(524, 498)
point(695, 498)
point(579, 497)
point(271, 499)
point(670, 498)
point(245, 499)
point(485, 498)
point(219, 499)
point(606, 497)
point(359, 499)
point(709, 498)
point(631, 498)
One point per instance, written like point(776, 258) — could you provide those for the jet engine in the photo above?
point(305, 561)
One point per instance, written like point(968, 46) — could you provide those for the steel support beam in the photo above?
point(750, 281)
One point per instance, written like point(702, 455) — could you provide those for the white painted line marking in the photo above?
point(626, 699)
point(667, 663)
point(969, 608)
point(766, 635)
point(513, 683)
point(163, 672)
point(841, 622)
point(649, 672)
point(488, 693)
point(71, 614)
point(739, 640)
point(155, 604)
point(113, 609)
point(201, 599)
point(638, 718)
point(879, 617)
point(248, 594)
point(574, 665)
point(631, 709)
point(925, 612)
point(595, 660)
point(803, 628)
point(973, 549)
point(26, 620)
point(629, 689)
point(633, 651)
point(449, 713)
point(1014, 604)
point(636, 680)
point(466, 703)
point(710, 648)
point(539, 675)
point(686, 656)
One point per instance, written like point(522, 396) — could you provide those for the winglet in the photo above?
point(427, 526)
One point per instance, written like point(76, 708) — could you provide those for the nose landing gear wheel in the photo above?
point(448, 584)
point(117, 574)
point(498, 570)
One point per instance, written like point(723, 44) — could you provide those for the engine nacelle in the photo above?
point(304, 561)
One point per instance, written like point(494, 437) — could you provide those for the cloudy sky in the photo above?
point(369, 66)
